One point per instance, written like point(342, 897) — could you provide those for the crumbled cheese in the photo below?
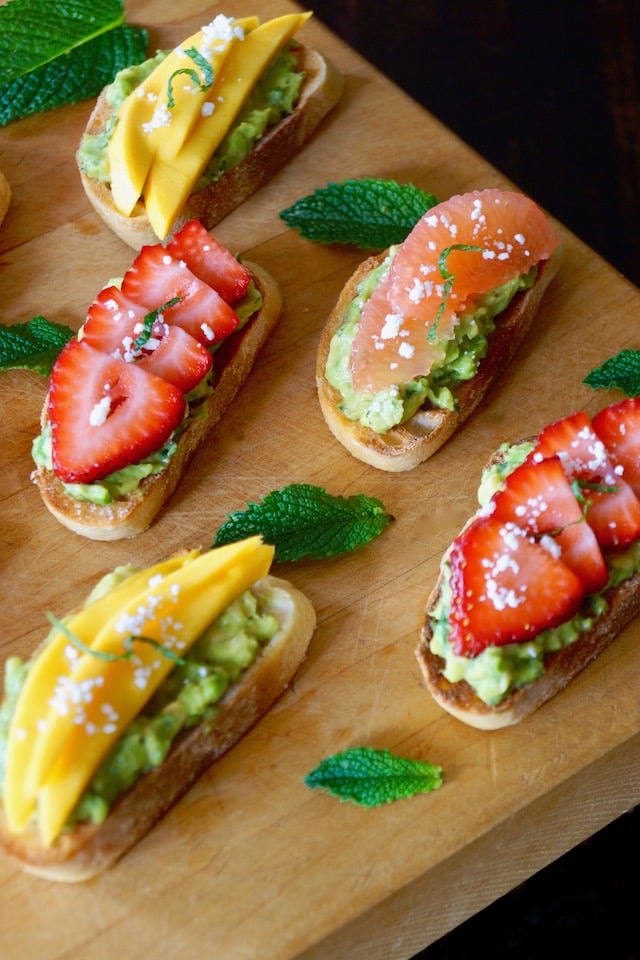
point(100, 412)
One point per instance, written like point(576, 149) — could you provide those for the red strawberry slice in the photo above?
point(155, 277)
point(105, 413)
point(506, 588)
point(539, 498)
point(614, 511)
point(113, 322)
point(210, 261)
point(178, 358)
point(618, 426)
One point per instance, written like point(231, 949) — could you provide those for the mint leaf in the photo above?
point(33, 32)
point(302, 520)
point(34, 345)
point(366, 213)
point(373, 777)
point(621, 371)
point(57, 53)
point(73, 77)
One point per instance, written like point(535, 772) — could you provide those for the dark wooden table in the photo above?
point(550, 95)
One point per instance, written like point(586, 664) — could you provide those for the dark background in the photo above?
point(549, 94)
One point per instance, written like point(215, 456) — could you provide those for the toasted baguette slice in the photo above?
point(405, 446)
point(321, 89)
point(130, 515)
point(87, 849)
point(560, 667)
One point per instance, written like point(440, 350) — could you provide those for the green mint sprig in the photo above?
point(368, 213)
point(371, 777)
point(302, 520)
point(621, 372)
point(58, 53)
point(34, 345)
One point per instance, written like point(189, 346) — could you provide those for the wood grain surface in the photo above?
point(253, 864)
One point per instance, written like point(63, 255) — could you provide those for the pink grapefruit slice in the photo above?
point(460, 249)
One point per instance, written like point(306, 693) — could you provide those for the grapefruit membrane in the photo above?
point(461, 248)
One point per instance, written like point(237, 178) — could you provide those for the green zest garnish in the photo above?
point(302, 520)
point(59, 53)
point(366, 213)
point(372, 777)
point(149, 320)
point(207, 75)
point(34, 345)
point(449, 280)
point(621, 371)
point(111, 657)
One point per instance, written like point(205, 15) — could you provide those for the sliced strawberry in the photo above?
point(178, 358)
point(539, 498)
point(210, 261)
point(105, 413)
point(155, 277)
point(618, 426)
point(113, 322)
point(613, 509)
point(505, 587)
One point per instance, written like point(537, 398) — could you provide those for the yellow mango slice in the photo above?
point(189, 98)
point(175, 614)
point(144, 116)
point(164, 197)
point(50, 669)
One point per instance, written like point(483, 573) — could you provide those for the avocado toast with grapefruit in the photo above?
point(421, 331)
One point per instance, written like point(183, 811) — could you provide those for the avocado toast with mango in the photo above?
point(194, 131)
point(134, 695)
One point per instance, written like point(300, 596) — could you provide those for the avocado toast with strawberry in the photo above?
point(546, 573)
point(157, 362)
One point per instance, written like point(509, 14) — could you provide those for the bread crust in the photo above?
point(320, 90)
point(131, 515)
point(405, 446)
point(560, 667)
point(87, 849)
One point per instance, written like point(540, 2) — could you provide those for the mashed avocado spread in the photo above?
point(273, 98)
point(385, 409)
point(123, 483)
point(495, 672)
point(188, 696)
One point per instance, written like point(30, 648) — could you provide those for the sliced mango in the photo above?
point(111, 693)
point(164, 197)
point(189, 98)
point(144, 118)
point(51, 668)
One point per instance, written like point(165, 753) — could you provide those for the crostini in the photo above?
point(193, 132)
point(133, 696)
point(544, 576)
point(157, 362)
point(421, 331)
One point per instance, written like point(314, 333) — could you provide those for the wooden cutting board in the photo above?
point(252, 863)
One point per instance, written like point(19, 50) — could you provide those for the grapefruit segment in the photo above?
point(460, 249)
